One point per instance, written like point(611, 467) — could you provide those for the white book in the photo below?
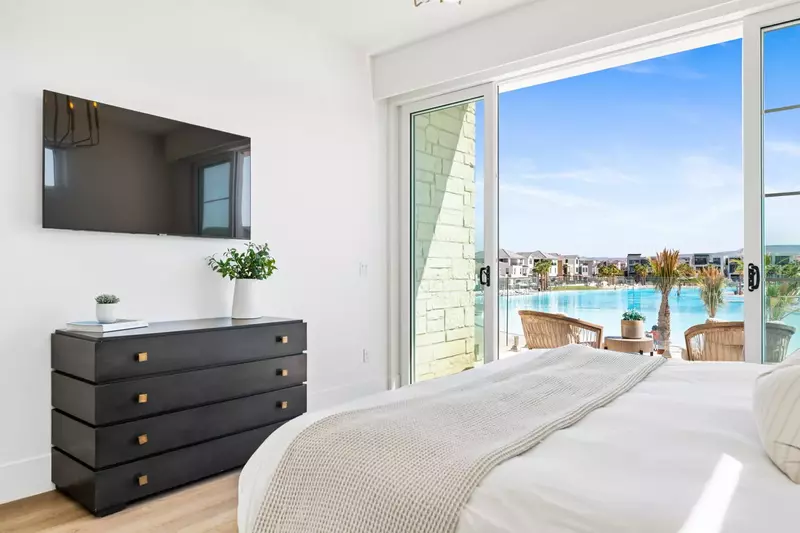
point(97, 327)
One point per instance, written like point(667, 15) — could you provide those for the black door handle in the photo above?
point(485, 276)
point(753, 277)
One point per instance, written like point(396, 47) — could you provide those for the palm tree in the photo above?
point(609, 271)
point(641, 272)
point(736, 268)
point(686, 274)
point(712, 287)
point(542, 268)
point(783, 291)
point(665, 271)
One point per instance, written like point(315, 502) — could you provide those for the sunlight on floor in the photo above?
point(708, 513)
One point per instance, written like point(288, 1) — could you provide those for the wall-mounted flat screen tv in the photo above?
point(106, 168)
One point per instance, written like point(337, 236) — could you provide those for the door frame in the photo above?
point(401, 371)
point(753, 167)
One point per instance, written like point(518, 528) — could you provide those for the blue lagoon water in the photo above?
point(605, 308)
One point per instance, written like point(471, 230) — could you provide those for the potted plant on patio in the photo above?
point(248, 267)
point(632, 325)
point(665, 273)
point(712, 290)
point(782, 299)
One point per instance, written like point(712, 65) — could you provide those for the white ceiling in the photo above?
point(379, 25)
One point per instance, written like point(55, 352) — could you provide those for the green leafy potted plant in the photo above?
point(632, 325)
point(106, 308)
point(247, 268)
point(782, 299)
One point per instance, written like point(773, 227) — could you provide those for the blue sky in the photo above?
point(626, 160)
point(646, 156)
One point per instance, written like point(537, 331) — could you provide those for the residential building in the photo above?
point(532, 258)
point(570, 266)
point(512, 265)
point(783, 253)
point(633, 260)
point(588, 267)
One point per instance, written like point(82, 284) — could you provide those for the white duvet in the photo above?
point(678, 453)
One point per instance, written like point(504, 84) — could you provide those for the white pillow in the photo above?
point(776, 405)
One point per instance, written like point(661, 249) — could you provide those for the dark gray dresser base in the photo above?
point(107, 491)
point(139, 412)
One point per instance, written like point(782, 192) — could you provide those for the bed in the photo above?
point(677, 453)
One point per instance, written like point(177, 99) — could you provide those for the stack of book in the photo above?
point(98, 327)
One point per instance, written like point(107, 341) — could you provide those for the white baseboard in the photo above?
point(24, 478)
point(330, 397)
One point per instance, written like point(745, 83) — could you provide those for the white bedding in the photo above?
point(679, 452)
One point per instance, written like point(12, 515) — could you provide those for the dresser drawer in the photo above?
point(106, 490)
point(106, 358)
point(100, 447)
point(138, 398)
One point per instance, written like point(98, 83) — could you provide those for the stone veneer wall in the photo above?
point(444, 245)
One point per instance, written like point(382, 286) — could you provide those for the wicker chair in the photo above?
point(546, 330)
point(716, 341)
point(776, 342)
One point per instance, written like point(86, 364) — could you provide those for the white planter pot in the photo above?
point(107, 313)
point(632, 329)
point(245, 299)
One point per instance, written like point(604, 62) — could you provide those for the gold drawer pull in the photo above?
point(283, 405)
point(143, 480)
point(142, 398)
point(282, 372)
point(141, 357)
point(283, 340)
point(142, 439)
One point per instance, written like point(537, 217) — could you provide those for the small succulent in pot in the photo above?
point(106, 308)
point(632, 325)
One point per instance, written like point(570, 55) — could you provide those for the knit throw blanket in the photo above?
point(411, 466)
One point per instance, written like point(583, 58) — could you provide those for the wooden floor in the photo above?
point(209, 506)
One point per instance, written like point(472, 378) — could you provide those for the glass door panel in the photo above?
point(781, 156)
point(772, 201)
point(447, 204)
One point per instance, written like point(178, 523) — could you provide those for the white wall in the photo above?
point(521, 37)
point(319, 195)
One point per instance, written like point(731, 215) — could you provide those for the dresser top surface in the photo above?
point(180, 326)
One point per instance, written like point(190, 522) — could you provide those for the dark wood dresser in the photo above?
point(141, 411)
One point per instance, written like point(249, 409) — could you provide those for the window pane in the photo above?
point(782, 277)
point(781, 67)
point(216, 182)
point(49, 168)
point(782, 151)
point(246, 192)
point(216, 217)
point(600, 172)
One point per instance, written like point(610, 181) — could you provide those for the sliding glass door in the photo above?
point(772, 184)
point(449, 282)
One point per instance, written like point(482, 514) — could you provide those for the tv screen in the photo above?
point(111, 169)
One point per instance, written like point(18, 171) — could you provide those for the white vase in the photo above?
point(106, 313)
point(245, 299)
